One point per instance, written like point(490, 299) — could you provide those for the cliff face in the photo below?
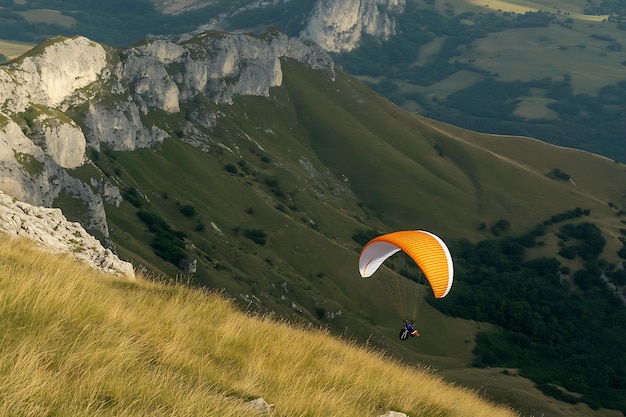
point(71, 95)
point(38, 142)
point(338, 25)
point(335, 25)
point(49, 229)
point(163, 74)
point(51, 73)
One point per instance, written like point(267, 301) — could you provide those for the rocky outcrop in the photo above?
point(338, 25)
point(60, 138)
point(335, 25)
point(38, 141)
point(69, 95)
point(261, 405)
point(165, 74)
point(221, 66)
point(52, 231)
point(51, 73)
point(31, 169)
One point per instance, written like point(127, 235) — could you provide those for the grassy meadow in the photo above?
point(570, 8)
point(576, 48)
point(78, 342)
point(537, 53)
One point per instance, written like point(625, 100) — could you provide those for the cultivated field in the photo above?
point(578, 49)
point(572, 9)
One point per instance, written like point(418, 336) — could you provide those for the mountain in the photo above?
point(539, 69)
point(337, 25)
point(252, 164)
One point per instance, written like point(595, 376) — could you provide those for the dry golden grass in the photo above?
point(77, 342)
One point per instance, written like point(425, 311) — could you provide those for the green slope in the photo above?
point(321, 160)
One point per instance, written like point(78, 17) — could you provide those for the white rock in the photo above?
point(51, 76)
point(64, 141)
point(260, 404)
point(50, 229)
point(394, 414)
point(338, 25)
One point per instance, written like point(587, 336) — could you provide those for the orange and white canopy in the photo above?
point(428, 251)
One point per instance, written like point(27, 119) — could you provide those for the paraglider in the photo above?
point(427, 250)
point(408, 330)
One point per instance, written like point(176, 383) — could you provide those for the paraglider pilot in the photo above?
point(409, 326)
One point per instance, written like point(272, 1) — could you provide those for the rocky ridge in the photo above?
point(70, 96)
point(50, 230)
point(335, 25)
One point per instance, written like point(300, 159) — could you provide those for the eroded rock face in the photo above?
point(38, 141)
point(221, 66)
point(335, 25)
point(50, 74)
point(62, 139)
point(33, 169)
point(49, 228)
point(115, 92)
point(338, 25)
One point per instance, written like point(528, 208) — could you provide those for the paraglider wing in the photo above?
point(428, 251)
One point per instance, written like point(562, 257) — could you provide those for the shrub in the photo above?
point(256, 235)
point(363, 236)
point(133, 196)
point(168, 244)
point(188, 210)
point(557, 173)
point(230, 168)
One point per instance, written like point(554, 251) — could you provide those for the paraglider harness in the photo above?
point(408, 330)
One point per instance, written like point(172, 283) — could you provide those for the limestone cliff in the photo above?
point(338, 25)
point(49, 229)
point(69, 98)
point(335, 25)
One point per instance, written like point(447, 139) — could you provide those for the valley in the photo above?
point(266, 196)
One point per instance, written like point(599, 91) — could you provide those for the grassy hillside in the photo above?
point(318, 162)
point(270, 205)
point(77, 342)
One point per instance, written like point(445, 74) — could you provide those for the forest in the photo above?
point(595, 123)
point(563, 329)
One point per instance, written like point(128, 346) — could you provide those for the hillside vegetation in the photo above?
point(275, 201)
point(77, 342)
point(271, 199)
